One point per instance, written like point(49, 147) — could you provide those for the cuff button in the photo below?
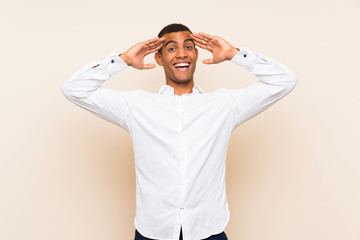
point(112, 60)
point(244, 55)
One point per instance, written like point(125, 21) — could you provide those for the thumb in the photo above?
point(208, 61)
point(149, 66)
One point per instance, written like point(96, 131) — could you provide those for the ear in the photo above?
point(158, 58)
point(197, 53)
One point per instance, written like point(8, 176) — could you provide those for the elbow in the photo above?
point(291, 82)
point(74, 93)
point(294, 81)
point(288, 84)
point(68, 92)
point(65, 90)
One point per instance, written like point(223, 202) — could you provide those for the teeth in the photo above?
point(181, 64)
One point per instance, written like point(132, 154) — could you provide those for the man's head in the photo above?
point(178, 55)
point(174, 27)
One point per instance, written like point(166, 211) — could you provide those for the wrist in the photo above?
point(124, 57)
point(233, 52)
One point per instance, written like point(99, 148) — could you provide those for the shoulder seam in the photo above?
point(232, 105)
point(131, 101)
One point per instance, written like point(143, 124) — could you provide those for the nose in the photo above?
point(181, 53)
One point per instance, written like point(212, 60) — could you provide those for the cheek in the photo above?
point(167, 62)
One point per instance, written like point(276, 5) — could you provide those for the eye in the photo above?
point(171, 49)
point(189, 47)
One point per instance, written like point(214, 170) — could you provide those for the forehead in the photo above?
point(177, 36)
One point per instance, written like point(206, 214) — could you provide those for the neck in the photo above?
point(181, 88)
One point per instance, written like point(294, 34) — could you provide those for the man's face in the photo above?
point(178, 57)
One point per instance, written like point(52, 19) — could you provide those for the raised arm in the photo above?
point(84, 87)
point(276, 80)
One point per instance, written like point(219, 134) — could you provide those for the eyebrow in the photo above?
point(186, 40)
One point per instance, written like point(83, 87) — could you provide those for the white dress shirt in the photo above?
point(180, 142)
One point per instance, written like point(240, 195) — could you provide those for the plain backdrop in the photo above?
point(293, 172)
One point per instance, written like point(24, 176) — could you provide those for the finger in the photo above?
point(211, 43)
point(207, 36)
point(157, 40)
point(153, 40)
point(154, 49)
point(208, 61)
point(199, 37)
point(152, 44)
point(201, 45)
point(159, 46)
point(201, 41)
point(149, 66)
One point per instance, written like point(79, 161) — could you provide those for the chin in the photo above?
point(182, 81)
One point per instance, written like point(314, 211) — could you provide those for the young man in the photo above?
point(180, 134)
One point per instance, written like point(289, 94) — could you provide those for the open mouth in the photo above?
point(182, 66)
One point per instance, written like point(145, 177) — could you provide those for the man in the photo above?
point(180, 134)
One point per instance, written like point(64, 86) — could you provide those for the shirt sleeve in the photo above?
point(275, 81)
point(84, 89)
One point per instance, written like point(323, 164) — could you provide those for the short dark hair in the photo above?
point(174, 27)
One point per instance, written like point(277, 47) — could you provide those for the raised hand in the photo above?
point(134, 56)
point(220, 49)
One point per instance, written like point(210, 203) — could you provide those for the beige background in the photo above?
point(293, 172)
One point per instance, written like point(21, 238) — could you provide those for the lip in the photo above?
point(182, 69)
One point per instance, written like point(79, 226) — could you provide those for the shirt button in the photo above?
point(112, 60)
point(244, 55)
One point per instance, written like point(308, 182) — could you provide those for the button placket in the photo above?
point(182, 162)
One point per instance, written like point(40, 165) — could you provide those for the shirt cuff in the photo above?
point(113, 63)
point(244, 58)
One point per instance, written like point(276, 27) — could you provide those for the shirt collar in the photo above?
point(168, 90)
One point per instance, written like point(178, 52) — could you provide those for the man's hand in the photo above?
point(221, 49)
point(134, 56)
